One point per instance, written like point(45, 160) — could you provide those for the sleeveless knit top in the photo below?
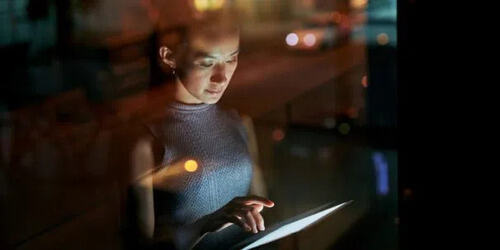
point(216, 141)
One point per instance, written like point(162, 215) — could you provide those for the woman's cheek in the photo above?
point(197, 80)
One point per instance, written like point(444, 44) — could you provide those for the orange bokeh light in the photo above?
point(364, 81)
point(191, 165)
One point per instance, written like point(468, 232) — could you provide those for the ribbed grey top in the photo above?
point(216, 140)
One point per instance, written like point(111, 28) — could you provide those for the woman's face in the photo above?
point(207, 66)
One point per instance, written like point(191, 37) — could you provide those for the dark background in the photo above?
point(78, 73)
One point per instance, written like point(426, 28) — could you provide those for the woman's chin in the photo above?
point(211, 99)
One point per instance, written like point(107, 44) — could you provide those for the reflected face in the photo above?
point(207, 66)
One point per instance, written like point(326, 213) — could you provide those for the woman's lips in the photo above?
point(214, 92)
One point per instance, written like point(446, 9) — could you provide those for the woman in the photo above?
point(201, 183)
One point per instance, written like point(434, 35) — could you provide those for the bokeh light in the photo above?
point(309, 39)
point(353, 112)
point(191, 165)
point(364, 81)
point(382, 39)
point(329, 122)
point(204, 5)
point(292, 39)
point(278, 135)
point(358, 4)
point(344, 128)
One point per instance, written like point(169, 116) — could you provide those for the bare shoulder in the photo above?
point(146, 150)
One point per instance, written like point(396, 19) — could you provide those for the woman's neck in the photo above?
point(182, 95)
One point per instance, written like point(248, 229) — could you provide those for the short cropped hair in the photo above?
point(176, 38)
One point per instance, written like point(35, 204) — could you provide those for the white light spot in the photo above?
point(292, 39)
point(309, 40)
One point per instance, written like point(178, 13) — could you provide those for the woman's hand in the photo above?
point(242, 211)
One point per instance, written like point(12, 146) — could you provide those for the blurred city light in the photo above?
point(309, 40)
point(344, 128)
point(382, 173)
point(352, 112)
point(204, 5)
point(382, 39)
point(191, 165)
point(292, 39)
point(358, 4)
point(278, 135)
point(364, 81)
point(329, 122)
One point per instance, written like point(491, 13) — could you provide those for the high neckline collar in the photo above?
point(183, 107)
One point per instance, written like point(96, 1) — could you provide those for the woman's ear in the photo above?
point(166, 56)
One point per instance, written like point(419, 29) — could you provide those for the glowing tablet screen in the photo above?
point(279, 232)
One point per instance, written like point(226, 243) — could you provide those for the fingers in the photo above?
point(255, 200)
point(251, 221)
point(245, 212)
point(238, 220)
point(259, 220)
point(254, 219)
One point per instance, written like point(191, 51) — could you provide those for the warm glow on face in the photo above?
point(209, 64)
point(382, 39)
point(309, 40)
point(292, 39)
point(191, 165)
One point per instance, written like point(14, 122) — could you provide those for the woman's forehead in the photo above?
point(215, 45)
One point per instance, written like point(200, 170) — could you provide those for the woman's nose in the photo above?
point(219, 75)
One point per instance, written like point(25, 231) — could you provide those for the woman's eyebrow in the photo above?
point(201, 54)
point(234, 53)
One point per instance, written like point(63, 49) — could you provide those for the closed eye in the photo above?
point(232, 60)
point(206, 65)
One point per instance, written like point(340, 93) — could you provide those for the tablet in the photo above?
point(290, 226)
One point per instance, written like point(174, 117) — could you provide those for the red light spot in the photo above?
point(352, 112)
point(278, 135)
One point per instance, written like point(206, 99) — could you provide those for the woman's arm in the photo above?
point(142, 163)
point(242, 211)
point(143, 180)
